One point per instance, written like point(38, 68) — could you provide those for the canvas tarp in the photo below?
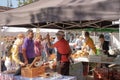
point(62, 10)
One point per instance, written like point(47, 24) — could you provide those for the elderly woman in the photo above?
point(12, 58)
point(15, 49)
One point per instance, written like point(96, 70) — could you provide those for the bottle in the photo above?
point(98, 51)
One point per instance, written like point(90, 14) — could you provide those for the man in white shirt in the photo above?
point(78, 43)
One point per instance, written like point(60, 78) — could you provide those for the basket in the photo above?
point(32, 72)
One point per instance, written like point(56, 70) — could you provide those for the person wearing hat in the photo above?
point(64, 52)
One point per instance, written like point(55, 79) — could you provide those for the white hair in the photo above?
point(18, 41)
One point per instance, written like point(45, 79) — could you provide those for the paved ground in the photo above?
point(89, 78)
point(76, 70)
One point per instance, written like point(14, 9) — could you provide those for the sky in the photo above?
point(4, 3)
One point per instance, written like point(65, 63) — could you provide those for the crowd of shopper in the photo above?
point(25, 48)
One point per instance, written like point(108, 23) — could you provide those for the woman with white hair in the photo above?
point(15, 49)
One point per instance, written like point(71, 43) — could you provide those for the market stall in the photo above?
point(65, 14)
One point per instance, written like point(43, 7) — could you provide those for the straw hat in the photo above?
point(60, 33)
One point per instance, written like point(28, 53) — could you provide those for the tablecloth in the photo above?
point(12, 77)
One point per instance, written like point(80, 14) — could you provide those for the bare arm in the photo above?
point(84, 46)
point(24, 56)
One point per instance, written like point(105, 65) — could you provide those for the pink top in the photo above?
point(38, 48)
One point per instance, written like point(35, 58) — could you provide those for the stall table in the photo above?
point(85, 59)
point(12, 77)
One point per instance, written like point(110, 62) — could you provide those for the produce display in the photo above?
point(85, 54)
point(80, 54)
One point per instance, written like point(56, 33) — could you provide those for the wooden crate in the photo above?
point(32, 72)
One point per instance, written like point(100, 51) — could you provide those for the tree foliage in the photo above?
point(25, 2)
